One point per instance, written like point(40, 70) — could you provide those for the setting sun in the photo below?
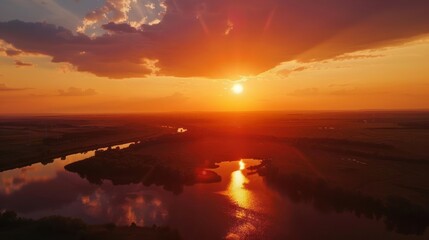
point(237, 88)
point(214, 119)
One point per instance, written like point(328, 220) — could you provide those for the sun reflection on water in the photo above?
point(242, 165)
point(236, 190)
point(242, 197)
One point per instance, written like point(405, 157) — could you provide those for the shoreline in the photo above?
point(44, 159)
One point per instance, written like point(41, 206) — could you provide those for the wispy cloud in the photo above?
point(19, 63)
point(4, 88)
point(77, 92)
point(357, 56)
point(288, 71)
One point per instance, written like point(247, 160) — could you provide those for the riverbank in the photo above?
point(28, 141)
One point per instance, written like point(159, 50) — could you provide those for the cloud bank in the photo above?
point(226, 39)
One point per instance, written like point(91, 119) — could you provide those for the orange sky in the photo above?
point(186, 56)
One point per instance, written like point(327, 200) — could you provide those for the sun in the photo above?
point(237, 88)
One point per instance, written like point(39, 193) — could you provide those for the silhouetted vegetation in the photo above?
point(13, 227)
point(398, 214)
point(123, 168)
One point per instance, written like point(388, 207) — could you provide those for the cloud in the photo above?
point(114, 10)
point(287, 72)
point(190, 41)
point(115, 56)
point(118, 27)
point(77, 92)
point(19, 63)
point(65, 67)
point(12, 52)
point(4, 88)
point(356, 56)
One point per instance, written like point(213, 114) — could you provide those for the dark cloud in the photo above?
point(223, 38)
point(12, 52)
point(115, 56)
point(19, 63)
point(118, 27)
point(77, 92)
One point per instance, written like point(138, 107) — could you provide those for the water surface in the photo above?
point(241, 206)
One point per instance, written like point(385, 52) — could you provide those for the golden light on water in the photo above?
point(243, 198)
point(242, 165)
point(236, 190)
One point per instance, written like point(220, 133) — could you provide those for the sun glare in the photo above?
point(237, 88)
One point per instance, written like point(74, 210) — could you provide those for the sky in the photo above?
point(130, 56)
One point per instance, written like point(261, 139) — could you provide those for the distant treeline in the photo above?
point(13, 227)
point(398, 214)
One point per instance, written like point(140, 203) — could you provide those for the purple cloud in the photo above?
point(223, 38)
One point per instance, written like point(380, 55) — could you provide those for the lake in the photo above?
point(241, 206)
